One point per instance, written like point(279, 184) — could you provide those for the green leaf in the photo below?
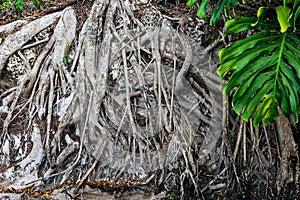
point(5, 4)
point(249, 90)
point(220, 7)
point(283, 17)
point(264, 73)
point(246, 23)
point(266, 110)
point(261, 13)
point(217, 12)
point(294, 39)
point(190, 3)
point(201, 11)
point(240, 24)
point(284, 101)
point(293, 61)
point(253, 102)
point(296, 2)
point(245, 73)
point(236, 54)
point(250, 107)
point(297, 13)
point(292, 96)
point(251, 43)
point(241, 69)
point(19, 4)
point(285, 2)
point(234, 2)
point(66, 58)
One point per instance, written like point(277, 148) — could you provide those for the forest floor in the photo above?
point(172, 9)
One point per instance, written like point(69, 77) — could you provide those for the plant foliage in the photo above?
point(19, 4)
point(263, 70)
point(222, 5)
point(4, 4)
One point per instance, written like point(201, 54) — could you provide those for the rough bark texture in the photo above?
point(289, 171)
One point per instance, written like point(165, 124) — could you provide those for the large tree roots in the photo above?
point(124, 107)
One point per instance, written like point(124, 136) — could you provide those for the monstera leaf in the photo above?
point(263, 70)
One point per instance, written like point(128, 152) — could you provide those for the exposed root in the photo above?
point(289, 159)
point(122, 105)
point(41, 82)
